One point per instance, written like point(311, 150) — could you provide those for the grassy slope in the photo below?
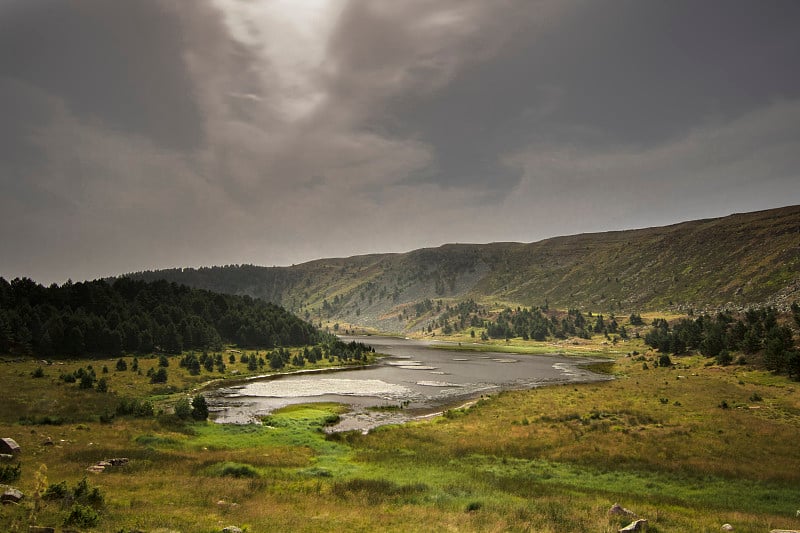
point(740, 260)
point(551, 459)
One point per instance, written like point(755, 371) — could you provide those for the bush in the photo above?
point(10, 472)
point(199, 407)
point(102, 385)
point(664, 360)
point(87, 381)
point(56, 492)
point(134, 407)
point(82, 516)
point(231, 469)
point(473, 506)
point(724, 358)
point(160, 376)
point(38, 373)
point(183, 409)
point(122, 365)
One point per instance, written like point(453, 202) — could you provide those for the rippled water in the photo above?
point(414, 375)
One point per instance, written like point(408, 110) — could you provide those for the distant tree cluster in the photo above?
point(540, 323)
point(755, 331)
point(129, 316)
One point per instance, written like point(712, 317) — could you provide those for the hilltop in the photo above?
point(737, 261)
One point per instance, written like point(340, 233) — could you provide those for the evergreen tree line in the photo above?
point(131, 316)
point(538, 324)
point(755, 331)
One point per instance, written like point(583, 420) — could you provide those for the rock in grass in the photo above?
point(9, 445)
point(637, 525)
point(727, 527)
point(618, 510)
point(11, 495)
point(232, 529)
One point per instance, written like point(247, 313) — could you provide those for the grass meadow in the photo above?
point(689, 448)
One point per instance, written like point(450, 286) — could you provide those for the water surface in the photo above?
point(414, 380)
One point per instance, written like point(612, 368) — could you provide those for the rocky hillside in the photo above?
point(734, 261)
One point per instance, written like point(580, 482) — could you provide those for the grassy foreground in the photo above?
point(688, 447)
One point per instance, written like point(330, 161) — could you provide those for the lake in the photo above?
point(415, 379)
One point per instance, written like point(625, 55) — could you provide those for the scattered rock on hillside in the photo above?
point(637, 525)
point(232, 529)
point(727, 527)
point(11, 495)
point(618, 510)
point(9, 445)
point(101, 466)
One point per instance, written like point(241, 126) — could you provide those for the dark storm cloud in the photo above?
point(117, 62)
point(609, 73)
point(163, 133)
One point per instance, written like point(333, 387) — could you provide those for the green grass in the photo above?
point(552, 459)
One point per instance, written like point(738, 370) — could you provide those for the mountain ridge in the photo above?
point(736, 261)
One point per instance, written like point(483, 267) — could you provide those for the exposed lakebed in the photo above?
point(414, 380)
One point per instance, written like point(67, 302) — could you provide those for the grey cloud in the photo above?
point(118, 62)
point(166, 133)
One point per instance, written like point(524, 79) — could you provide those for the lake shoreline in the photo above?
point(396, 388)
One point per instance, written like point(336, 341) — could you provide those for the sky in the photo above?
point(152, 134)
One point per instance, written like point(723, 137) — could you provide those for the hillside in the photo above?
point(735, 261)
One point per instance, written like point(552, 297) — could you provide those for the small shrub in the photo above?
point(199, 408)
point(231, 469)
point(724, 358)
point(159, 376)
point(122, 365)
point(56, 492)
point(473, 506)
point(82, 516)
point(134, 407)
point(87, 381)
point(664, 360)
point(756, 397)
point(10, 472)
point(38, 373)
point(102, 385)
point(183, 409)
point(724, 404)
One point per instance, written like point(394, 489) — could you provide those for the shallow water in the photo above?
point(415, 375)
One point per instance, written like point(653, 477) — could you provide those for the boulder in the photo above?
point(118, 461)
point(11, 495)
point(637, 525)
point(618, 510)
point(9, 445)
point(232, 529)
point(727, 527)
